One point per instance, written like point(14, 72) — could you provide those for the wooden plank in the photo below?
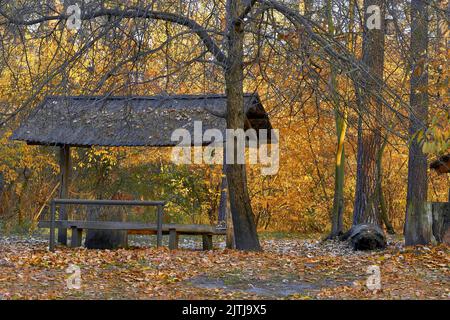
point(142, 232)
point(173, 239)
point(117, 225)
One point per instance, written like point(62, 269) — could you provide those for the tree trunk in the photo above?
point(341, 128)
point(338, 200)
point(417, 225)
point(367, 204)
point(384, 213)
point(246, 237)
point(383, 209)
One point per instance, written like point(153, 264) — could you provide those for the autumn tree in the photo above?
point(417, 226)
point(245, 234)
point(306, 67)
point(232, 62)
point(341, 128)
point(366, 207)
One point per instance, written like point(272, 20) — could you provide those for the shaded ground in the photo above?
point(287, 269)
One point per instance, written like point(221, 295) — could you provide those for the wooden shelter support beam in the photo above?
point(224, 216)
point(65, 173)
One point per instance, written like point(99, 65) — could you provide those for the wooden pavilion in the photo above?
point(131, 121)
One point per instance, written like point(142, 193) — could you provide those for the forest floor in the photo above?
point(288, 268)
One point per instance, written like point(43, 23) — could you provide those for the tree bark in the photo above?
point(367, 204)
point(383, 209)
point(440, 215)
point(341, 128)
point(417, 225)
point(338, 199)
point(365, 237)
point(246, 237)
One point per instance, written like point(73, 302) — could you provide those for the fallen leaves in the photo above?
point(287, 269)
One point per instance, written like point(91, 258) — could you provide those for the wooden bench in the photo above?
point(175, 230)
point(171, 229)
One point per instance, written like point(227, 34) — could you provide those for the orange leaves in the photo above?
point(419, 67)
point(287, 269)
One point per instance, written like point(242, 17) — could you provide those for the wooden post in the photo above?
point(173, 239)
point(65, 168)
point(224, 206)
point(52, 226)
point(222, 216)
point(159, 223)
point(207, 241)
point(230, 242)
point(76, 237)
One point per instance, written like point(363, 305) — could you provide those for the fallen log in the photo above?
point(106, 239)
point(365, 237)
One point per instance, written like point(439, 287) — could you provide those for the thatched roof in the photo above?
point(129, 121)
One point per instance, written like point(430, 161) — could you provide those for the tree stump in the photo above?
point(365, 237)
point(106, 239)
point(440, 215)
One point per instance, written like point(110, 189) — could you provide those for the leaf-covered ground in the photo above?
point(287, 269)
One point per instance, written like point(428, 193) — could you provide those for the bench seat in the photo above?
point(172, 229)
